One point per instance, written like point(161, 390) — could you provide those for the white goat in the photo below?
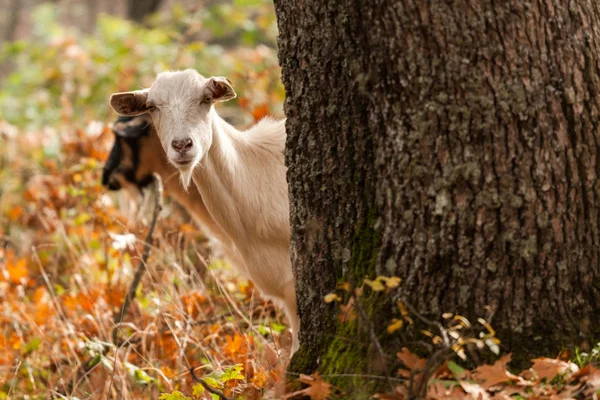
point(240, 175)
point(136, 154)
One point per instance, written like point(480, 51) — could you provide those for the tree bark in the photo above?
point(452, 144)
point(137, 10)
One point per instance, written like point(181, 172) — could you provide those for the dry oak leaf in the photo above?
point(437, 391)
point(414, 364)
point(508, 393)
point(399, 393)
point(317, 388)
point(411, 360)
point(548, 368)
point(492, 375)
point(591, 379)
point(475, 391)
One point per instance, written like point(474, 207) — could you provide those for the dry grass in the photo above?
point(68, 251)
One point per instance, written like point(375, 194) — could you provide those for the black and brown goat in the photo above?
point(136, 155)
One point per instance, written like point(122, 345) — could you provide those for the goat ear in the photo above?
point(130, 103)
point(221, 88)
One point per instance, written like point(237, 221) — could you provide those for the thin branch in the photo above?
point(207, 386)
point(158, 192)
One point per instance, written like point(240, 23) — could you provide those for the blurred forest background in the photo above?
point(69, 248)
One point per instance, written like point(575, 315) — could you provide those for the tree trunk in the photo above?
point(137, 10)
point(452, 144)
point(13, 18)
point(92, 15)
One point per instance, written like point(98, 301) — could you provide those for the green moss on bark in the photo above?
point(348, 351)
point(365, 247)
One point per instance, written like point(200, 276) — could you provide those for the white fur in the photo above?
point(241, 177)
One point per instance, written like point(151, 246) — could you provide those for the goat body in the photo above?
point(242, 179)
point(241, 176)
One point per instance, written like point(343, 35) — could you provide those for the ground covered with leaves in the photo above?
point(196, 330)
point(69, 248)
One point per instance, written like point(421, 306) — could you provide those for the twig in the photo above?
point(207, 386)
point(212, 320)
point(137, 278)
point(433, 364)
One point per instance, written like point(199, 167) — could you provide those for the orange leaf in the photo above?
point(192, 303)
point(260, 112)
point(259, 379)
point(492, 375)
point(548, 368)
point(169, 373)
point(243, 102)
point(235, 345)
point(347, 311)
point(592, 380)
point(188, 228)
point(437, 391)
point(414, 364)
point(15, 212)
point(411, 360)
point(317, 388)
point(17, 271)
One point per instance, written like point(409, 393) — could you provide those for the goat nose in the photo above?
point(182, 145)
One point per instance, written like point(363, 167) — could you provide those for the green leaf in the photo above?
point(279, 328)
point(31, 346)
point(94, 361)
point(242, 3)
point(233, 373)
point(174, 395)
point(142, 378)
point(457, 370)
point(212, 381)
point(58, 289)
point(82, 218)
point(198, 390)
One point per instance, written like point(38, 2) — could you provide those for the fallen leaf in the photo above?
point(491, 375)
point(592, 380)
point(317, 388)
point(414, 364)
point(438, 391)
point(395, 325)
point(347, 311)
point(411, 360)
point(17, 271)
point(548, 368)
point(475, 390)
point(375, 285)
point(331, 297)
point(260, 112)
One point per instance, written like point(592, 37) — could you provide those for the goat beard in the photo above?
point(186, 178)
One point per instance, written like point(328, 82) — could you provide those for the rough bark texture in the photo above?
point(453, 144)
point(137, 10)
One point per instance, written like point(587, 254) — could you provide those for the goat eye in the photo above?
point(207, 99)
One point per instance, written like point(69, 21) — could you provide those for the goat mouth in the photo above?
point(183, 162)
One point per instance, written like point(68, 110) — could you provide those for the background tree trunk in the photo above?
point(452, 144)
point(137, 10)
point(13, 15)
